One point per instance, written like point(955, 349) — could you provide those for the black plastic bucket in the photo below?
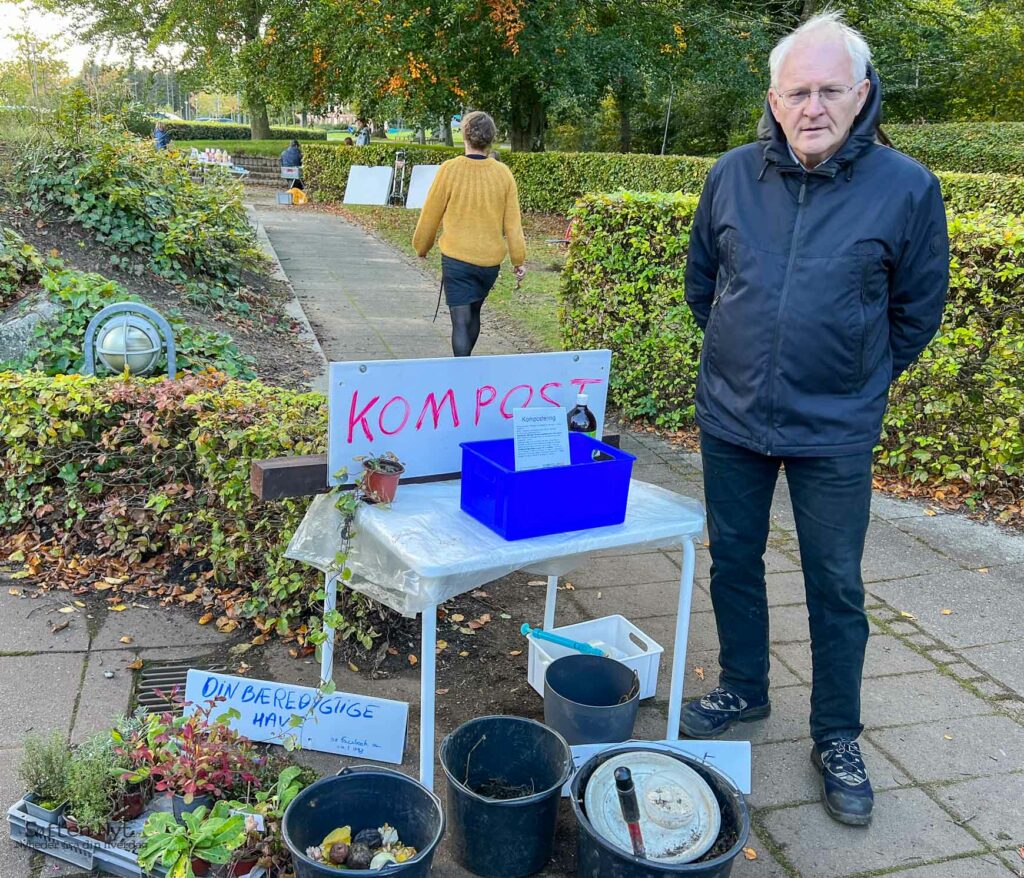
point(364, 797)
point(591, 699)
point(598, 858)
point(512, 837)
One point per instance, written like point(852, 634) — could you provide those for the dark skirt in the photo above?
point(465, 283)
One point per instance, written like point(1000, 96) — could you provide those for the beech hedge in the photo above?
point(978, 147)
point(551, 182)
point(954, 415)
point(222, 130)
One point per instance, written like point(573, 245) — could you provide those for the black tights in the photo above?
point(465, 327)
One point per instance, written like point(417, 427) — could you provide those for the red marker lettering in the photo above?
point(581, 383)
point(548, 398)
point(508, 415)
point(360, 418)
point(435, 408)
point(480, 403)
point(383, 411)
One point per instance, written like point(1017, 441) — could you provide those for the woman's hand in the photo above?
point(519, 271)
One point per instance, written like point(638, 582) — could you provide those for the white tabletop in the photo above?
point(424, 549)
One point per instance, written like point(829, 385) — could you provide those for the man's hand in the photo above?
point(519, 271)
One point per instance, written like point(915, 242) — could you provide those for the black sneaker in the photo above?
point(717, 712)
point(845, 789)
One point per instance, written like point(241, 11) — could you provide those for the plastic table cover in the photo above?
point(423, 549)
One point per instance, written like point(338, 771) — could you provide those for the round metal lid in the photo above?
point(679, 815)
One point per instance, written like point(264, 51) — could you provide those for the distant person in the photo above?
point(292, 158)
point(161, 135)
point(349, 141)
point(476, 199)
point(362, 133)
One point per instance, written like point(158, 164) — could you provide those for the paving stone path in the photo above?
point(943, 694)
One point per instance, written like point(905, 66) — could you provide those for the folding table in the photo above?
point(424, 550)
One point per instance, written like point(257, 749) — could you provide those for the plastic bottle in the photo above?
point(581, 419)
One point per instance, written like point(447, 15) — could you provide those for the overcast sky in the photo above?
point(45, 25)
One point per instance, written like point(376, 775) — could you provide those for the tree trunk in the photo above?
point(810, 7)
point(421, 134)
point(446, 131)
point(528, 119)
point(259, 122)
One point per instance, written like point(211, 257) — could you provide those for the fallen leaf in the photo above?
point(516, 652)
point(243, 668)
point(947, 737)
point(480, 594)
point(15, 591)
point(66, 610)
point(906, 615)
point(983, 570)
point(570, 587)
point(392, 651)
point(930, 512)
point(226, 625)
point(102, 586)
point(79, 604)
point(125, 639)
point(59, 626)
point(240, 648)
point(536, 582)
point(463, 654)
point(206, 618)
point(118, 608)
point(440, 691)
point(750, 853)
point(467, 630)
point(505, 616)
point(442, 644)
point(135, 665)
point(947, 612)
point(114, 580)
point(485, 618)
point(353, 667)
point(294, 653)
point(699, 672)
point(475, 624)
point(412, 659)
point(458, 617)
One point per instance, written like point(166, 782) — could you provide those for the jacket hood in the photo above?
point(862, 135)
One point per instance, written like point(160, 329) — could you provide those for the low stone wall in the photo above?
point(263, 171)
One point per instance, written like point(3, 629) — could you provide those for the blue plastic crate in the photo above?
point(532, 503)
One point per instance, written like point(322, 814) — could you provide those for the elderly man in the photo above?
point(818, 268)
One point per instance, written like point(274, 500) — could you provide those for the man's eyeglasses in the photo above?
point(829, 94)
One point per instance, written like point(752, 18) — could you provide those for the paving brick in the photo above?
point(638, 601)
point(983, 866)
point(789, 719)
point(970, 543)
point(28, 621)
point(916, 698)
point(991, 806)
point(889, 553)
point(156, 627)
point(788, 624)
point(783, 775)
point(626, 570)
point(764, 866)
point(102, 700)
point(38, 692)
point(906, 826)
point(14, 858)
point(887, 655)
point(1003, 661)
point(893, 508)
point(978, 746)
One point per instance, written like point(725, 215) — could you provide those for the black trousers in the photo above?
point(831, 498)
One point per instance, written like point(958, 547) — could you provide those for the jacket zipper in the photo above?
point(778, 316)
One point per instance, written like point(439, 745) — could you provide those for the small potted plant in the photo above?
point(43, 770)
point(90, 787)
point(131, 762)
point(186, 849)
point(380, 477)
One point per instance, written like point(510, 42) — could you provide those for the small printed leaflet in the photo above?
point(540, 437)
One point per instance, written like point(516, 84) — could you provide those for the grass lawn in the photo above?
point(533, 308)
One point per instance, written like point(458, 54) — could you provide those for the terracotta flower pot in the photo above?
point(200, 867)
point(132, 805)
point(242, 867)
point(381, 480)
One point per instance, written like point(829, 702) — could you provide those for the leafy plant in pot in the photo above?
point(90, 787)
point(380, 477)
point(43, 770)
point(187, 849)
point(130, 764)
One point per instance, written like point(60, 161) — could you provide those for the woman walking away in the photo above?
point(475, 197)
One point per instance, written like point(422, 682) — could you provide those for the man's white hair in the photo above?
point(824, 28)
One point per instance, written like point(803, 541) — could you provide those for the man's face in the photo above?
point(817, 127)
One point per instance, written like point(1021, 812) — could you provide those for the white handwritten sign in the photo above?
point(422, 409)
point(732, 758)
point(540, 438)
point(350, 725)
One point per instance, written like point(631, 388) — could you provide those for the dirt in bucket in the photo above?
point(499, 788)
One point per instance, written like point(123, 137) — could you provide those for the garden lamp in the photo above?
point(129, 334)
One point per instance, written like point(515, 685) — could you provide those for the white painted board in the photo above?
point(419, 184)
point(349, 725)
point(422, 409)
point(732, 758)
point(368, 185)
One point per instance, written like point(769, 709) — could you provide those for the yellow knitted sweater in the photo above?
point(478, 202)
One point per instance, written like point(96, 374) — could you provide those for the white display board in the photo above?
point(349, 725)
point(368, 185)
point(422, 409)
point(732, 758)
point(419, 184)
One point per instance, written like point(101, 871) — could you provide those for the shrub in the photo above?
point(20, 266)
point(43, 768)
point(987, 147)
point(221, 130)
point(551, 182)
point(955, 415)
point(157, 472)
point(138, 200)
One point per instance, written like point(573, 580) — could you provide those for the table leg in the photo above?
point(549, 603)
point(327, 649)
point(428, 685)
point(675, 698)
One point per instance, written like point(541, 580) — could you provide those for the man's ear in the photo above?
point(863, 87)
point(774, 102)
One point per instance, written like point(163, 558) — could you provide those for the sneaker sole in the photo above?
point(751, 715)
point(839, 816)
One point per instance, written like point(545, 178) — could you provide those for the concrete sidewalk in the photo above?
point(943, 693)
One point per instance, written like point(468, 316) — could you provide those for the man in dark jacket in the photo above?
point(292, 158)
point(818, 267)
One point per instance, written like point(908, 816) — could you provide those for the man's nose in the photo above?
point(814, 105)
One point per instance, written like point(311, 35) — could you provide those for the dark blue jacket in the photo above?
point(815, 289)
point(291, 157)
point(163, 138)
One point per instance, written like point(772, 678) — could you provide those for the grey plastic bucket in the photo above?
point(590, 699)
point(364, 797)
point(504, 838)
point(598, 858)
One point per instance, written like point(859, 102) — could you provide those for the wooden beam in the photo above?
point(305, 475)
